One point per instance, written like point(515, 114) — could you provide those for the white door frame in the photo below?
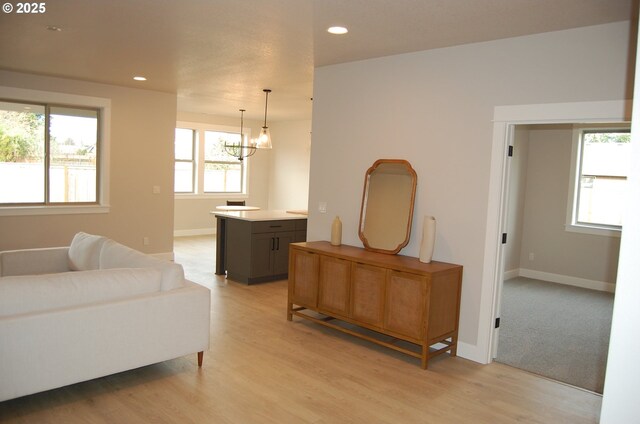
point(504, 120)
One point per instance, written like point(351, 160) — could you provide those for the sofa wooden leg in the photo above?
point(200, 356)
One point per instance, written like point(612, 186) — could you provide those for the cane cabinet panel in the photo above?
point(304, 269)
point(367, 294)
point(405, 304)
point(334, 285)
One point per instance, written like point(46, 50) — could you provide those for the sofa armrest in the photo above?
point(34, 261)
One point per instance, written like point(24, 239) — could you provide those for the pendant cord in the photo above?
point(266, 101)
point(241, 124)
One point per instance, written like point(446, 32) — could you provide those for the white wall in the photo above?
point(289, 176)
point(620, 399)
point(435, 109)
point(141, 156)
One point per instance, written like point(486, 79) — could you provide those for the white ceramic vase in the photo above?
point(428, 239)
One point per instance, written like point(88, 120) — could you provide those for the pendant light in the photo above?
point(243, 148)
point(264, 140)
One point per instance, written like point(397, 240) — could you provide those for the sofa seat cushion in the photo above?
point(116, 255)
point(34, 293)
point(84, 252)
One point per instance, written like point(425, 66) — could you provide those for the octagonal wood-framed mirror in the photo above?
point(387, 205)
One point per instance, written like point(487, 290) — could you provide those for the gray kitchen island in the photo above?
point(253, 246)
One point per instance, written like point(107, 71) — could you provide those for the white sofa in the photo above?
point(92, 309)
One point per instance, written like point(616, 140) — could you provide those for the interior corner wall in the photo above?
point(435, 109)
point(556, 250)
point(141, 157)
point(289, 177)
point(192, 214)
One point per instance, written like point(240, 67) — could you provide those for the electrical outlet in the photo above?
point(145, 241)
point(156, 189)
point(532, 256)
point(322, 207)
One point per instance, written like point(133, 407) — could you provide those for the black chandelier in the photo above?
point(244, 148)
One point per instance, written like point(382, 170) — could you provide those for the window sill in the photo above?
point(53, 210)
point(595, 231)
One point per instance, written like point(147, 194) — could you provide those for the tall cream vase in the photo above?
point(428, 239)
point(336, 232)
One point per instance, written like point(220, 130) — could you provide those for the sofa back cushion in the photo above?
point(84, 252)
point(116, 255)
point(33, 293)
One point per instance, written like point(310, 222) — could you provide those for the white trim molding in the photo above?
point(165, 256)
point(194, 232)
point(471, 352)
point(104, 106)
point(512, 273)
point(567, 280)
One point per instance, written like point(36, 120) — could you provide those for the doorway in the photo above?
point(556, 299)
point(505, 120)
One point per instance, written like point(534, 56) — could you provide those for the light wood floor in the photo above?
point(263, 369)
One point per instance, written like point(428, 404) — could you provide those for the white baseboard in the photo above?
point(567, 279)
point(194, 232)
point(512, 273)
point(472, 353)
point(165, 256)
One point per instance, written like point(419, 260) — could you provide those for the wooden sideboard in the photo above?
point(398, 297)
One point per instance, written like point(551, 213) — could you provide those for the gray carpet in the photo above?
point(557, 331)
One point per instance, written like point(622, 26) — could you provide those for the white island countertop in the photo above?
point(261, 215)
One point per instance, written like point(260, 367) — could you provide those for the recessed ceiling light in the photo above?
point(54, 28)
point(139, 78)
point(338, 30)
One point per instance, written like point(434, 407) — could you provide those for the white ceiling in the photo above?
point(218, 55)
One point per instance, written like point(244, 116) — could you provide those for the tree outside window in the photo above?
point(49, 154)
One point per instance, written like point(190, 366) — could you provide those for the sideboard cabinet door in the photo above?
point(303, 278)
point(405, 300)
point(367, 293)
point(335, 285)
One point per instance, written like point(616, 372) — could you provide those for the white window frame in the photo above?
point(193, 161)
point(104, 127)
point(571, 224)
point(199, 193)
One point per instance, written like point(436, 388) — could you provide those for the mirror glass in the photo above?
point(387, 205)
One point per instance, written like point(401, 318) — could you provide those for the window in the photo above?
point(185, 165)
point(600, 177)
point(51, 151)
point(222, 172)
point(202, 166)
